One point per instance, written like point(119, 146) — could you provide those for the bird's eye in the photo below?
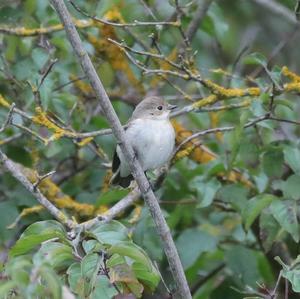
point(159, 107)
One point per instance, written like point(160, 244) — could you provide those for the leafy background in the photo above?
point(227, 230)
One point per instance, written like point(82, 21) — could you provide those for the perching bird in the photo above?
point(152, 138)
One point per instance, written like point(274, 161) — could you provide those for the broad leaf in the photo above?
point(285, 212)
point(37, 233)
point(254, 207)
point(109, 233)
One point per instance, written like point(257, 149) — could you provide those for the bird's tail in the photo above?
point(124, 182)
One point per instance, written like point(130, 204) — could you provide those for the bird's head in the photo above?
point(153, 107)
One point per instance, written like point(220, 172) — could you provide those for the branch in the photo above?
point(26, 32)
point(278, 9)
point(137, 171)
point(196, 21)
point(222, 129)
point(134, 24)
point(17, 173)
point(115, 210)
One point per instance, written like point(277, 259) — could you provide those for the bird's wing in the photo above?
point(116, 165)
point(116, 162)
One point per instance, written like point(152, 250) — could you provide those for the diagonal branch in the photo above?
point(143, 184)
point(196, 21)
point(17, 173)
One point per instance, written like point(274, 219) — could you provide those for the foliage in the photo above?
point(230, 196)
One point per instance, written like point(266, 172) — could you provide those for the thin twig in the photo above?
point(8, 118)
point(195, 23)
point(10, 139)
point(134, 24)
point(221, 129)
point(41, 178)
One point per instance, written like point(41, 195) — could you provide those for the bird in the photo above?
point(152, 137)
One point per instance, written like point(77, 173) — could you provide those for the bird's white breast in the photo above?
point(152, 140)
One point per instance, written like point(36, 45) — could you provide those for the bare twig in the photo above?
point(221, 129)
point(8, 118)
point(115, 210)
point(42, 177)
point(148, 9)
point(47, 71)
point(143, 183)
point(134, 24)
point(10, 139)
point(24, 32)
point(195, 23)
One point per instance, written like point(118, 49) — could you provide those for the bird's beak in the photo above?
point(171, 107)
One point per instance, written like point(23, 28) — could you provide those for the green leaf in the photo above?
point(292, 158)
point(206, 191)
point(294, 278)
point(109, 233)
point(19, 269)
point(7, 287)
point(53, 283)
point(133, 251)
point(242, 261)
point(290, 187)
point(285, 212)
point(269, 230)
point(254, 207)
point(142, 265)
point(273, 162)
point(192, 243)
point(37, 233)
point(256, 59)
point(58, 255)
point(149, 278)
point(292, 272)
point(75, 279)
point(234, 194)
point(103, 289)
point(90, 265)
point(89, 245)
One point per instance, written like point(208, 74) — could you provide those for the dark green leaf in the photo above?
point(254, 207)
point(285, 212)
point(109, 233)
point(192, 243)
point(37, 233)
point(292, 158)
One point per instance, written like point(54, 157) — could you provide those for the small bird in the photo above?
point(151, 136)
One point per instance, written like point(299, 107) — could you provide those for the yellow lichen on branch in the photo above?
point(292, 87)
point(85, 141)
point(201, 154)
point(25, 32)
point(41, 119)
point(3, 102)
point(295, 84)
point(82, 86)
point(62, 201)
point(230, 92)
point(286, 72)
point(211, 99)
